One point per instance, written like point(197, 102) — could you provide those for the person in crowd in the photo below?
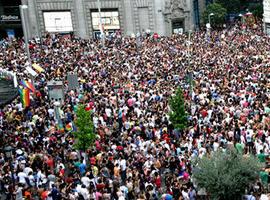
point(138, 153)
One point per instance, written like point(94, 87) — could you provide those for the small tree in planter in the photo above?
point(85, 135)
point(178, 115)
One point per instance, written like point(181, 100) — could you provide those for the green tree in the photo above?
point(219, 12)
point(178, 115)
point(226, 175)
point(232, 6)
point(257, 10)
point(85, 135)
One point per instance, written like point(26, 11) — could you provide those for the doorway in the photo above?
point(178, 26)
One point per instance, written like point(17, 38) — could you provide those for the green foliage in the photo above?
point(226, 175)
point(257, 10)
point(178, 115)
point(218, 18)
point(85, 136)
point(232, 6)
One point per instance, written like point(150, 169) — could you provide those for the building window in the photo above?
point(109, 18)
point(58, 21)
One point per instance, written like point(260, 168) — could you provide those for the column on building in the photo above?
point(190, 18)
point(144, 15)
point(80, 19)
point(160, 26)
point(202, 7)
point(129, 17)
point(32, 24)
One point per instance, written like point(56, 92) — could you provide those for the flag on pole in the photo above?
point(38, 68)
point(25, 97)
point(28, 85)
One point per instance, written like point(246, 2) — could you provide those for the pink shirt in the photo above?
point(130, 102)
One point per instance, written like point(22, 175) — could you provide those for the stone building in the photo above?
point(266, 16)
point(81, 17)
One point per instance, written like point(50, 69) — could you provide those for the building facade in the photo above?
point(82, 17)
point(10, 20)
point(266, 16)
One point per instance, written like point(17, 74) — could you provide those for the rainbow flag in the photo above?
point(28, 85)
point(25, 97)
point(38, 68)
point(69, 127)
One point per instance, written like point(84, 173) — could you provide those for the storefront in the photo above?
point(58, 21)
point(110, 21)
point(10, 20)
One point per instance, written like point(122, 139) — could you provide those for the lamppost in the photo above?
point(241, 16)
point(101, 24)
point(209, 18)
point(8, 150)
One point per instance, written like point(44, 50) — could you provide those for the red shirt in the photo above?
point(93, 161)
point(50, 162)
point(204, 113)
point(100, 186)
point(158, 182)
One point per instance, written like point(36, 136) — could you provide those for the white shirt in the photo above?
point(108, 112)
point(22, 177)
point(86, 181)
point(123, 164)
point(185, 195)
point(27, 170)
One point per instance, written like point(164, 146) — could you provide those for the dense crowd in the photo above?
point(138, 154)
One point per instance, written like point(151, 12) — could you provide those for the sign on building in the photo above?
point(9, 18)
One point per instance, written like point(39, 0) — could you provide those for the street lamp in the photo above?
point(102, 34)
point(209, 18)
point(242, 18)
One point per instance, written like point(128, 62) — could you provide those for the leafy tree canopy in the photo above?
point(178, 115)
point(85, 136)
point(226, 175)
point(232, 6)
point(219, 14)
